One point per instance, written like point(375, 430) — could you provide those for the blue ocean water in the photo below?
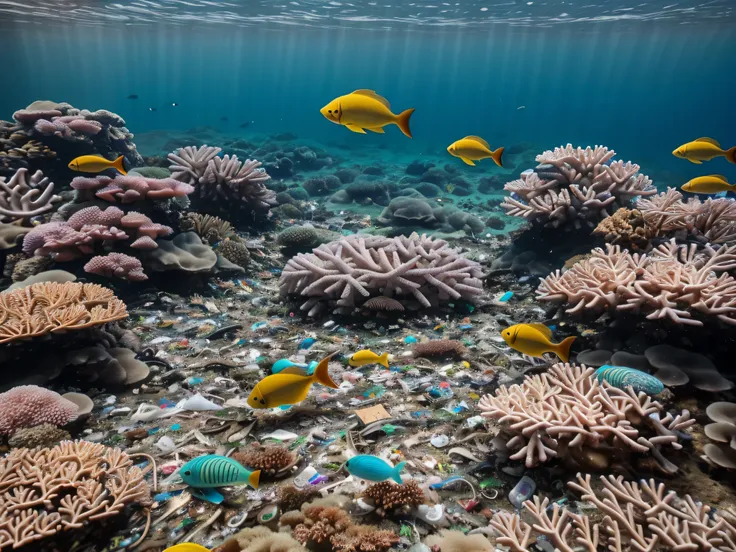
point(641, 78)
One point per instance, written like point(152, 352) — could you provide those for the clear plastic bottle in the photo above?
point(522, 492)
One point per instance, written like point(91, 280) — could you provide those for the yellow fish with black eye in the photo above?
point(474, 148)
point(711, 184)
point(365, 109)
point(288, 388)
point(704, 149)
point(366, 356)
point(97, 164)
point(535, 340)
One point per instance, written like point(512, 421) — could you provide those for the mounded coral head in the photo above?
point(29, 405)
point(116, 265)
point(268, 459)
point(388, 496)
point(235, 252)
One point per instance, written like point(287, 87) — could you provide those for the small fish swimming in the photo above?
point(246, 124)
point(213, 470)
point(704, 149)
point(535, 340)
point(187, 547)
point(133, 97)
point(286, 366)
point(711, 184)
point(174, 104)
point(366, 356)
point(623, 377)
point(152, 109)
point(364, 109)
point(474, 148)
point(97, 164)
point(373, 468)
point(280, 389)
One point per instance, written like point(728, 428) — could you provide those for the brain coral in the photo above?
point(347, 272)
point(30, 405)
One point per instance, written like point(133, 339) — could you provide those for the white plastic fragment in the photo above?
point(198, 402)
point(280, 435)
point(166, 444)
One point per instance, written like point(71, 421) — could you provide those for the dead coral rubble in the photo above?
point(636, 516)
point(348, 271)
point(567, 413)
point(670, 282)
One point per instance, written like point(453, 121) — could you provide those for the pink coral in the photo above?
point(95, 215)
point(89, 128)
point(28, 116)
point(30, 405)
point(116, 265)
point(129, 189)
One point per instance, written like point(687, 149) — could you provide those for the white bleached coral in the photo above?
point(25, 196)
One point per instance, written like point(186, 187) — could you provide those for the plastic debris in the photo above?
point(522, 492)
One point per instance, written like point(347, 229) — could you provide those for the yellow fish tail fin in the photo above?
point(402, 121)
point(119, 164)
point(254, 479)
point(496, 156)
point(731, 155)
point(383, 360)
point(322, 375)
point(563, 349)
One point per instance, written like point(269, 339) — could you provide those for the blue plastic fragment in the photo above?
point(258, 326)
point(195, 381)
point(176, 427)
point(465, 326)
point(210, 495)
point(506, 296)
point(410, 339)
point(306, 343)
point(445, 482)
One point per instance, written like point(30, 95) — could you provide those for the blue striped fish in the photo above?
point(212, 470)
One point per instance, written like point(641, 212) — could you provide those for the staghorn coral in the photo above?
point(712, 220)
point(29, 405)
point(291, 498)
point(49, 307)
point(575, 187)
point(129, 188)
point(24, 196)
point(363, 538)
point(44, 435)
point(626, 227)
point(567, 413)
point(636, 516)
point(267, 459)
point(116, 265)
point(439, 348)
point(339, 272)
point(68, 487)
point(209, 228)
point(670, 282)
point(390, 497)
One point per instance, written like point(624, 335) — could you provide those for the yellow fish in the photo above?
point(535, 340)
point(283, 388)
point(711, 184)
point(364, 109)
point(364, 357)
point(187, 547)
point(474, 148)
point(704, 149)
point(97, 164)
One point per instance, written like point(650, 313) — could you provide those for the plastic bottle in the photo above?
point(522, 492)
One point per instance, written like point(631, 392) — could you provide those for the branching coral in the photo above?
point(566, 413)
point(116, 265)
point(48, 307)
point(671, 282)
point(346, 271)
point(637, 516)
point(23, 197)
point(574, 186)
point(390, 497)
point(29, 405)
point(321, 523)
point(268, 459)
point(363, 538)
point(47, 491)
point(129, 189)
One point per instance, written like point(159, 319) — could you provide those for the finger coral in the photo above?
point(68, 487)
point(671, 282)
point(129, 188)
point(348, 271)
point(575, 187)
point(48, 307)
point(29, 405)
point(116, 265)
point(635, 516)
point(23, 196)
point(567, 413)
point(390, 497)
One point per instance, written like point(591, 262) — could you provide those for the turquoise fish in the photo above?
point(373, 468)
point(293, 367)
point(213, 470)
point(623, 377)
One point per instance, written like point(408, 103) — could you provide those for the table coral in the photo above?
point(567, 413)
point(346, 272)
point(44, 491)
point(29, 405)
point(48, 307)
point(23, 196)
point(129, 189)
point(575, 187)
point(670, 282)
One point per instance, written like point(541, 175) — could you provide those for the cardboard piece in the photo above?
point(372, 414)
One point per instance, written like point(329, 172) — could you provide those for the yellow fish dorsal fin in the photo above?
point(478, 139)
point(543, 329)
point(719, 177)
point(709, 140)
point(294, 370)
point(373, 94)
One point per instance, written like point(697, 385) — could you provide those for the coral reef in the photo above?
point(304, 238)
point(291, 498)
point(320, 524)
point(48, 307)
point(627, 228)
point(439, 348)
point(211, 229)
point(364, 538)
point(267, 459)
point(96, 482)
point(24, 196)
point(29, 405)
point(390, 497)
point(117, 265)
point(44, 435)
point(636, 516)
point(322, 185)
point(575, 187)
point(341, 272)
point(129, 189)
point(567, 413)
point(671, 282)
point(29, 267)
point(19, 151)
point(416, 212)
point(234, 251)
